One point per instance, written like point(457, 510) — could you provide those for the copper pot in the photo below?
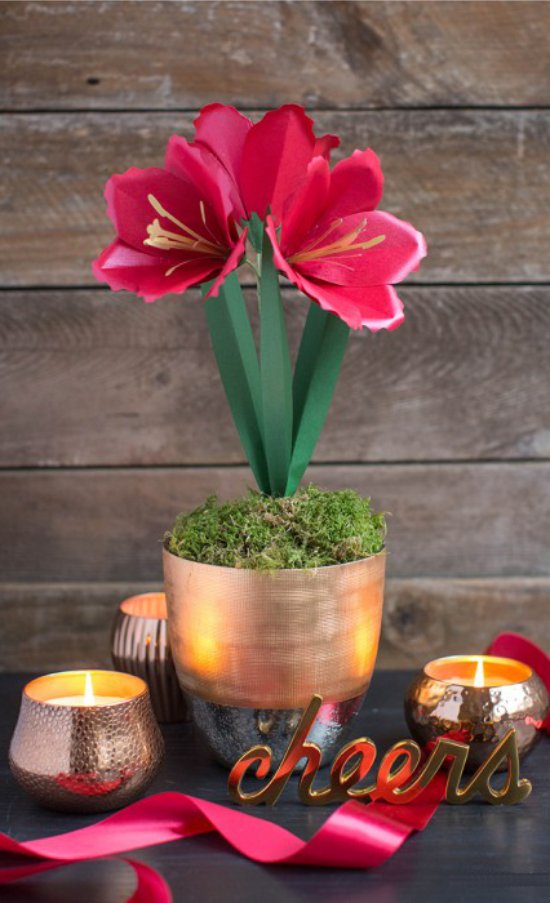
point(251, 648)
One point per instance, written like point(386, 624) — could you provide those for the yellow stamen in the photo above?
point(334, 225)
point(182, 263)
point(346, 242)
point(203, 218)
point(165, 240)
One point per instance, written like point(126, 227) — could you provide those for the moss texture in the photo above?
point(311, 529)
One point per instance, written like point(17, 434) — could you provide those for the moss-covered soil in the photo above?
point(311, 529)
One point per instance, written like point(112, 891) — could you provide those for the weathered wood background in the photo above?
point(113, 418)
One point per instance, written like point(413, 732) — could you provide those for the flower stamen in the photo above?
point(316, 241)
point(165, 240)
point(182, 263)
point(346, 242)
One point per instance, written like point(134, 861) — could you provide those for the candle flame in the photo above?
point(89, 697)
point(479, 678)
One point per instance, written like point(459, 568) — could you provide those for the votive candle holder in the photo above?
point(140, 646)
point(85, 752)
point(476, 699)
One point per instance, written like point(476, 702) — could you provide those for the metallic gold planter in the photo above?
point(140, 646)
point(437, 703)
point(252, 648)
point(85, 758)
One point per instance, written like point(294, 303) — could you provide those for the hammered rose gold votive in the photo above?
point(476, 699)
point(85, 741)
point(140, 646)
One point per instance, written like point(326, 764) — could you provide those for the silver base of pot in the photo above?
point(229, 731)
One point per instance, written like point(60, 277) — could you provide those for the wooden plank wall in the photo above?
point(113, 418)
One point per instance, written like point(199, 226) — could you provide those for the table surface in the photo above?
point(466, 853)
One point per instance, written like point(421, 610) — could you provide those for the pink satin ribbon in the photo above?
point(512, 645)
point(354, 836)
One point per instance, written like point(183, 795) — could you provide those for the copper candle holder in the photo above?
point(476, 699)
point(85, 741)
point(140, 646)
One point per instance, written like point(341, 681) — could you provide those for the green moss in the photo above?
point(310, 529)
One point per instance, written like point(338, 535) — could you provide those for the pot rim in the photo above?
point(268, 571)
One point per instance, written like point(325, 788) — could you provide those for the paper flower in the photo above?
point(264, 194)
point(341, 252)
point(174, 227)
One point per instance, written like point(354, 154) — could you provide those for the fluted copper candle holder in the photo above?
point(476, 699)
point(140, 646)
point(85, 741)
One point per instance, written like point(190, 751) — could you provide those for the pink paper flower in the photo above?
point(340, 251)
point(179, 226)
point(175, 227)
point(183, 225)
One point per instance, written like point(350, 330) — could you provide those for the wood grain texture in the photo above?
point(90, 379)
point(127, 394)
point(67, 625)
point(326, 54)
point(425, 617)
point(107, 525)
point(475, 182)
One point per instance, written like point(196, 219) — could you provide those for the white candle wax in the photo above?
point(86, 699)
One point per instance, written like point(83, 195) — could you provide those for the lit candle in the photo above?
point(85, 741)
point(88, 698)
point(476, 699)
point(480, 671)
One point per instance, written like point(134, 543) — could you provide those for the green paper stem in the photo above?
point(320, 357)
point(276, 374)
point(312, 337)
point(236, 356)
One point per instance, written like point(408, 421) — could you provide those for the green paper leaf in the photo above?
point(255, 232)
point(276, 374)
point(312, 337)
point(237, 359)
point(320, 357)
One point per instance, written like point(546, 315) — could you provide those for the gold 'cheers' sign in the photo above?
point(400, 779)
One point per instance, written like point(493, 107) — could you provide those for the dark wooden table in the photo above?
point(469, 853)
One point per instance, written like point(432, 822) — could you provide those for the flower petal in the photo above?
point(374, 306)
point(131, 211)
point(278, 256)
point(307, 205)
point(230, 264)
point(124, 267)
point(275, 157)
point(356, 184)
point(209, 180)
point(324, 145)
point(222, 131)
point(387, 262)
